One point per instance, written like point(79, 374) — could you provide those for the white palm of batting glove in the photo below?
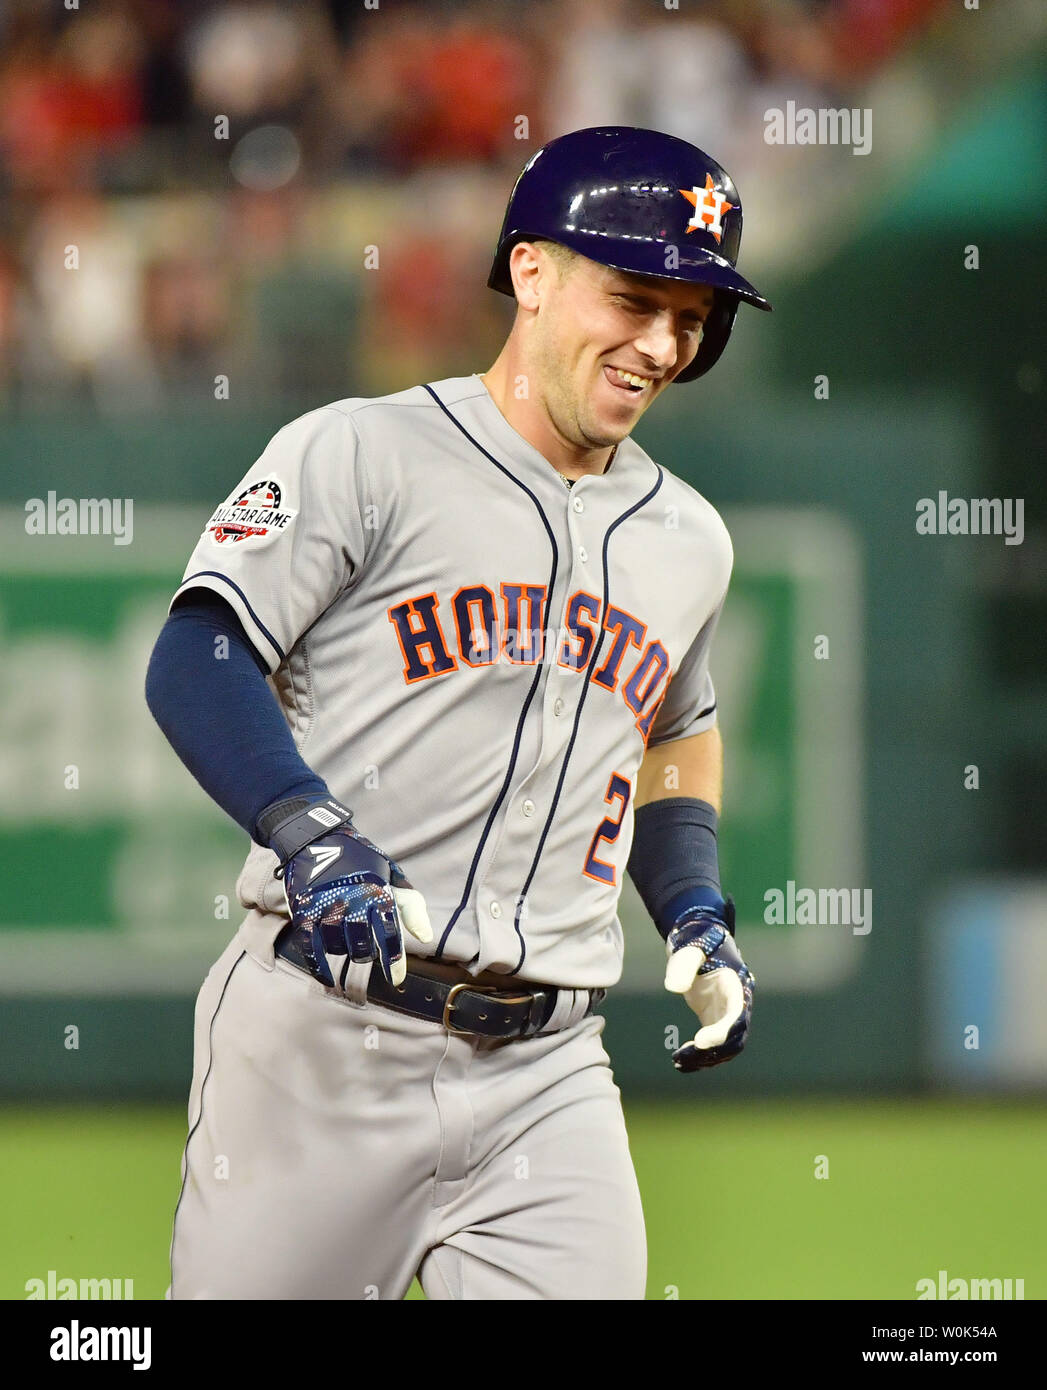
point(706, 967)
point(414, 916)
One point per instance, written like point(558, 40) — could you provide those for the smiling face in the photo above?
point(599, 344)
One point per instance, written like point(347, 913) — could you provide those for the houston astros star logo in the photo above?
point(709, 208)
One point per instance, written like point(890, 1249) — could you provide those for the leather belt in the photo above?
point(462, 1007)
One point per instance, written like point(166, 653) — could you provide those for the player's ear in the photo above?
point(530, 269)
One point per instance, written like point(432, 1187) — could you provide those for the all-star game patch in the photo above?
point(253, 516)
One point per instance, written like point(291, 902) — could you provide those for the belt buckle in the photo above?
point(490, 990)
point(452, 995)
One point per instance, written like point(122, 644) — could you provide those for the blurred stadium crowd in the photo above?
point(241, 251)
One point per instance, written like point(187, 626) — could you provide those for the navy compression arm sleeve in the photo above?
point(220, 716)
point(674, 862)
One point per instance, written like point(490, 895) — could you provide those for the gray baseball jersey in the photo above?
point(474, 657)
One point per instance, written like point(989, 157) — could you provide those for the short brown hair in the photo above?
point(563, 257)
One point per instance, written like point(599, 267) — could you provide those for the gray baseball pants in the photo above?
point(336, 1150)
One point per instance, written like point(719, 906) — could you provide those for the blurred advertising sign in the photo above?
point(787, 665)
point(121, 873)
point(120, 857)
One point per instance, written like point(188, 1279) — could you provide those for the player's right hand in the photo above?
point(356, 903)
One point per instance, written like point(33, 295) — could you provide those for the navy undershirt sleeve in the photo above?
point(674, 863)
point(219, 714)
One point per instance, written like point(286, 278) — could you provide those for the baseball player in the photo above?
point(437, 654)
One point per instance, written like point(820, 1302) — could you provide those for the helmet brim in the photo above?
point(690, 265)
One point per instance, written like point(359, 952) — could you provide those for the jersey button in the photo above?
point(577, 504)
point(528, 807)
point(583, 554)
point(496, 909)
point(558, 707)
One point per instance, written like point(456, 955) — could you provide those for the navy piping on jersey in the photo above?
point(215, 574)
point(196, 1124)
point(518, 735)
point(577, 720)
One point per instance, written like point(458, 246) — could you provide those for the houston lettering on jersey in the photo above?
point(631, 664)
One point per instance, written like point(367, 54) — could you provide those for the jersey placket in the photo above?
point(501, 910)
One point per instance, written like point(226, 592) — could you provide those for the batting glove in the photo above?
point(706, 967)
point(354, 900)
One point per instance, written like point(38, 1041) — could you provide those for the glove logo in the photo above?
point(325, 855)
point(709, 208)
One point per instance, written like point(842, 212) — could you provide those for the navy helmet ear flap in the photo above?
point(716, 331)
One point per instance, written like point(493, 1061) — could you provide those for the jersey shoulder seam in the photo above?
point(370, 494)
point(425, 403)
point(694, 498)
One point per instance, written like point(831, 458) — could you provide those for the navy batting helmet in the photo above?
point(638, 201)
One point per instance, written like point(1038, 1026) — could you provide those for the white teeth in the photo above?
point(633, 380)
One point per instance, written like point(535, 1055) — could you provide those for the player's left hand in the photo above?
point(706, 967)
